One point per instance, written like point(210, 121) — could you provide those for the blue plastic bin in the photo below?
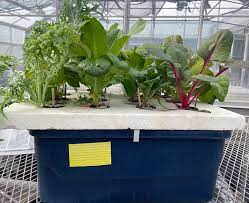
point(164, 167)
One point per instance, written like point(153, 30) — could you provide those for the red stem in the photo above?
point(184, 100)
point(202, 89)
point(197, 95)
point(221, 71)
point(198, 81)
point(172, 66)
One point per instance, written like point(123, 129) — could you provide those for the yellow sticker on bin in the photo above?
point(90, 154)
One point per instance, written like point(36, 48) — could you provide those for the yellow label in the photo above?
point(90, 154)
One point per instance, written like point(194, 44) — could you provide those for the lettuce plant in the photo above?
point(94, 58)
point(191, 74)
point(45, 54)
point(143, 74)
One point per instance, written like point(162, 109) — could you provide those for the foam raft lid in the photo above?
point(121, 115)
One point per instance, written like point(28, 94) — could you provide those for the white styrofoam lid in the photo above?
point(121, 115)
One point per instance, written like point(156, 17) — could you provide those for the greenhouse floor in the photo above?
point(18, 173)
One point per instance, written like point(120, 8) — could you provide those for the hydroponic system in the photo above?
point(160, 141)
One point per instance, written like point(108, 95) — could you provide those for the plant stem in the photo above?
point(95, 100)
point(139, 97)
point(95, 93)
point(53, 97)
point(184, 101)
point(45, 88)
point(196, 83)
point(65, 90)
point(203, 88)
point(198, 94)
point(221, 71)
point(183, 97)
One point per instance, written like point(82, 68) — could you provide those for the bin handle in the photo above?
point(136, 136)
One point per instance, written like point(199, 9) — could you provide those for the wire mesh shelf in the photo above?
point(232, 184)
point(18, 174)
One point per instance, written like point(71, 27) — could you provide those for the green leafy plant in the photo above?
point(45, 54)
point(191, 74)
point(12, 86)
point(143, 76)
point(149, 85)
point(74, 11)
point(94, 60)
point(7, 63)
point(78, 50)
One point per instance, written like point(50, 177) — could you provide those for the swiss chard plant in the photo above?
point(94, 58)
point(190, 74)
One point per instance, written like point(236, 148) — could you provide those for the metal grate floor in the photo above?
point(18, 174)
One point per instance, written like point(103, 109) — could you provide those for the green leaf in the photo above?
point(130, 85)
point(171, 40)
point(217, 47)
point(13, 89)
point(177, 56)
point(114, 27)
point(74, 11)
point(138, 27)
point(96, 67)
point(137, 61)
point(59, 78)
point(207, 96)
point(197, 65)
point(159, 54)
point(143, 49)
point(118, 44)
point(205, 78)
point(112, 36)
point(72, 77)
point(77, 49)
point(121, 65)
point(218, 88)
point(7, 63)
point(157, 85)
point(93, 35)
point(150, 87)
point(116, 39)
